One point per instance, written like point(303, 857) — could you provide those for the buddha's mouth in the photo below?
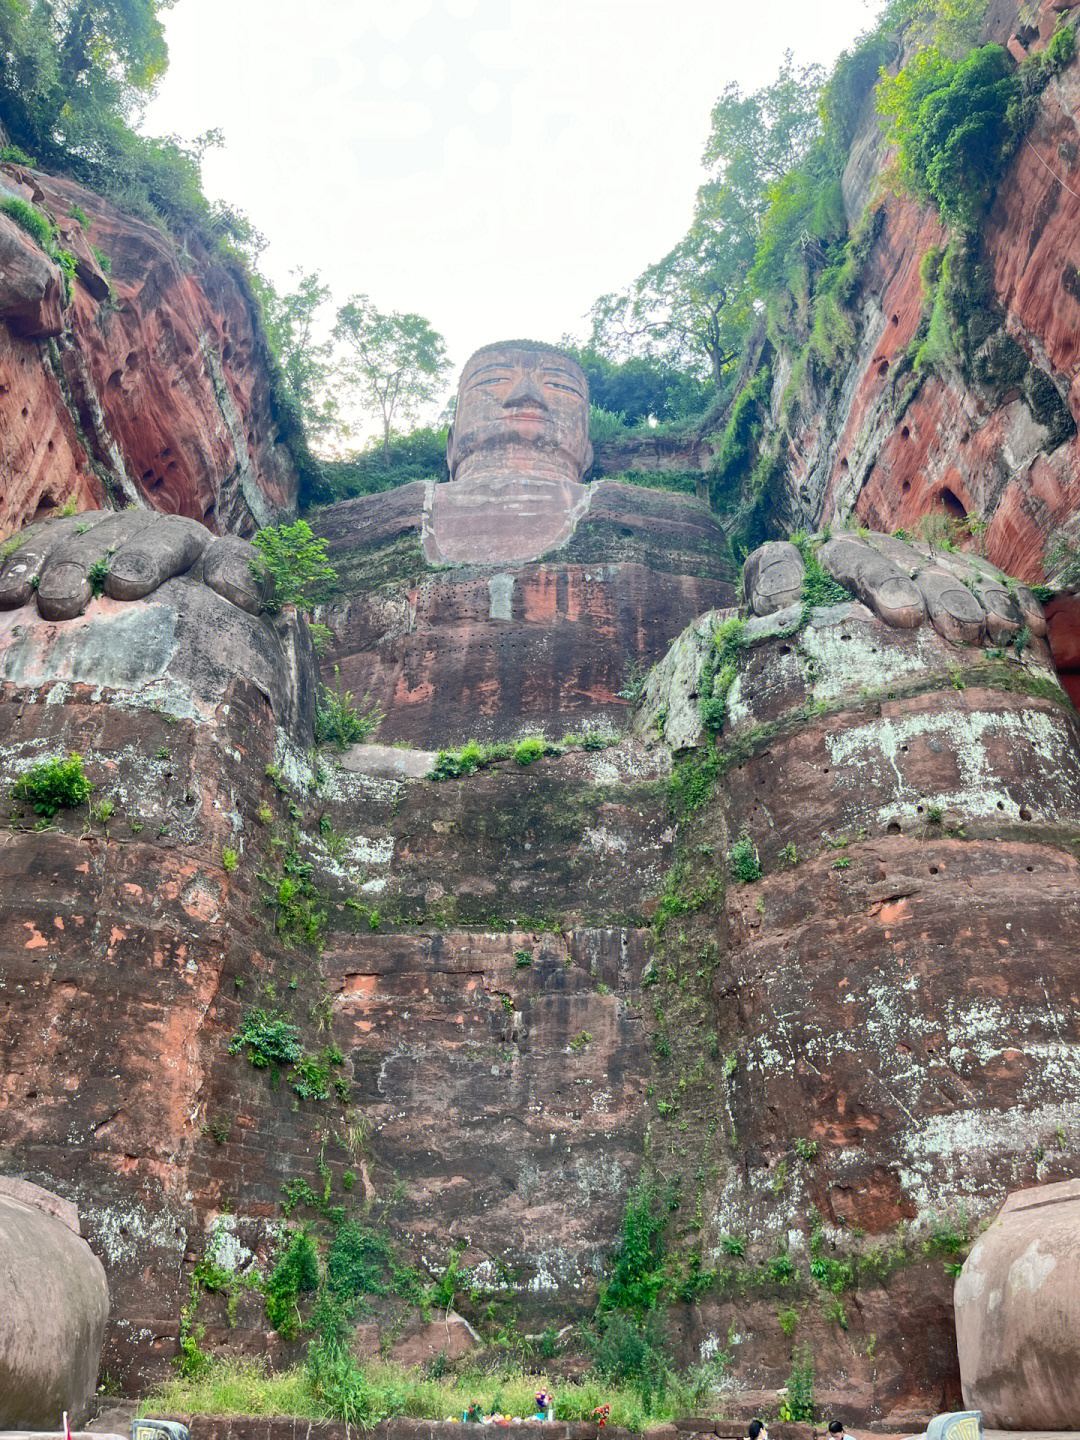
point(525, 415)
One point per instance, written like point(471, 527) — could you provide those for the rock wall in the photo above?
point(543, 980)
point(992, 452)
point(151, 387)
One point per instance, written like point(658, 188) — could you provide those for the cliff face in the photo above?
point(1004, 452)
point(155, 392)
point(529, 983)
point(816, 970)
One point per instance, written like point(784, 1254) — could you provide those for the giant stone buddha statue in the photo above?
point(517, 452)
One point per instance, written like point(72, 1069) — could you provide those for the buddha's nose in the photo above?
point(526, 395)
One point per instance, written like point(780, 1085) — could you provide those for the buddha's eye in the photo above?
point(489, 380)
point(555, 385)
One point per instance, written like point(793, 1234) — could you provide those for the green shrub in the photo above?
point(419, 455)
point(629, 1350)
point(781, 1268)
point(818, 587)
point(955, 124)
point(12, 155)
point(718, 672)
point(338, 721)
point(229, 859)
point(295, 560)
point(605, 425)
point(29, 218)
point(744, 861)
point(451, 764)
point(54, 785)
point(311, 1077)
point(269, 1039)
point(530, 749)
point(799, 1401)
point(296, 1271)
point(637, 1275)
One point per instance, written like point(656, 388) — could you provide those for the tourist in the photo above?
point(838, 1432)
point(756, 1430)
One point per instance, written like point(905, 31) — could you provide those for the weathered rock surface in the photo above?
point(1007, 454)
point(891, 1036)
point(54, 1304)
point(1016, 1323)
point(159, 396)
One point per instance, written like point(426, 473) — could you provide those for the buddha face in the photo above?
point(520, 411)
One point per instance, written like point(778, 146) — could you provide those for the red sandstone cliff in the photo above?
point(156, 392)
point(969, 447)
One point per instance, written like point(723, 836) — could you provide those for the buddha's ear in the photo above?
point(450, 451)
point(588, 457)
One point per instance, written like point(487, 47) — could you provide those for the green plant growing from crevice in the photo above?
point(339, 720)
point(294, 560)
point(268, 1038)
point(296, 1272)
point(41, 229)
point(54, 785)
point(530, 749)
point(798, 1402)
point(718, 672)
point(744, 860)
point(818, 586)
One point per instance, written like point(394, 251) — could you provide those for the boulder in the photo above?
point(31, 290)
point(54, 1303)
point(773, 577)
point(1017, 1304)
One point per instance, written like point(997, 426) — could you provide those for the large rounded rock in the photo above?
point(54, 1303)
point(1018, 1313)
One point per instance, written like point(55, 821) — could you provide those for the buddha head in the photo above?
point(522, 410)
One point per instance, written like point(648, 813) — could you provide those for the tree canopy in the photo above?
point(393, 363)
point(694, 307)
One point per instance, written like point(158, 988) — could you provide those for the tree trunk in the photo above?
point(386, 442)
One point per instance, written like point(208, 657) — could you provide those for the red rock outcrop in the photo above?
point(824, 1063)
point(156, 392)
point(958, 445)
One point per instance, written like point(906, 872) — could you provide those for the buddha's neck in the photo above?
point(525, 464)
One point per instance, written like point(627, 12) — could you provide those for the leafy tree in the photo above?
point(291, 328)
point(73, 75)
point(122, 38)
point(393, 362)
point(640, 387)
point(295, 559)
point(696, 305)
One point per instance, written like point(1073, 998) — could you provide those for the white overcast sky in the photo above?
point(494, 165)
